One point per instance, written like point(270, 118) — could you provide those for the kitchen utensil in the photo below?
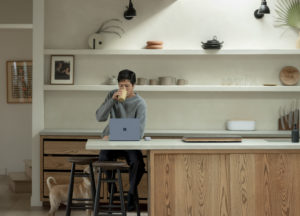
point(155, 43)
point(181, 82)
point(285, 116)
point(289, 75)
point(153, 82)
point(154, 47)
point(111, 80)
point(291, 115)
point(142, 81)
point(212, 44)
point(167, 80)
point(281, 117)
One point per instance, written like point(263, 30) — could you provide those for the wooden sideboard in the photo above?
point(54, 153)
point(225, 182)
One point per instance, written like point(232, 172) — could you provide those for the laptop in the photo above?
point(124, 129)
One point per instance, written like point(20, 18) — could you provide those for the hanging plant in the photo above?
point(288, 12)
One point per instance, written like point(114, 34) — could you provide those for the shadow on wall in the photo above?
point(77, 20)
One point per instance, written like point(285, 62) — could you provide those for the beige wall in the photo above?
point(15, 119)
point(181, 24)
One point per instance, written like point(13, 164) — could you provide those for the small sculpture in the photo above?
point(96, 39)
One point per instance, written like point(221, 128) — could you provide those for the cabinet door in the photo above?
point(265, 184)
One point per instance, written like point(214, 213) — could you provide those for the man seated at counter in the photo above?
point(133, 106)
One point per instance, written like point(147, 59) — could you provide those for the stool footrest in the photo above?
point(104, 214)
point(81, 174)
point(82, 199)
point(109, 206)
point(81, 206)
point(109, 180)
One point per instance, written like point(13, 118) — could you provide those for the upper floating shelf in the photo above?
point(169, 52)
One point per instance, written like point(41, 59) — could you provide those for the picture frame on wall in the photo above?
point(19, 81)
point(62, 70)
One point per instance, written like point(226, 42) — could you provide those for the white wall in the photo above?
point(181, 24)
point(15, 119)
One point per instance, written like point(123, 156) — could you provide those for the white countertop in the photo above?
point(94, 132)
point(173, 144)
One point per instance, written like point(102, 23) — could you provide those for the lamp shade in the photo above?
point(264, 9)
point(130, 12)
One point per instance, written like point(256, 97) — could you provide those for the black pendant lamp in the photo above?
point(130, 12)
point(263, 9)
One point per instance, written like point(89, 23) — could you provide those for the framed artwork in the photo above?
point(62, 69)
point(19, 81)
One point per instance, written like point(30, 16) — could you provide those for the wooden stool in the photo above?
point(110, 208)
point(81, 203)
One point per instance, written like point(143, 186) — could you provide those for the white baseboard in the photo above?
point(35, 202)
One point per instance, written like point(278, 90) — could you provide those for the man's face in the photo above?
point(127, 85)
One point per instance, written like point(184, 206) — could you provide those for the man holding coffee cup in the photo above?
point(124, 103)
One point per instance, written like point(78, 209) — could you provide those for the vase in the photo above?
point(95, 41)
point(298, 42)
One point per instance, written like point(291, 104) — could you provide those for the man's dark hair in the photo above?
point(127, 75)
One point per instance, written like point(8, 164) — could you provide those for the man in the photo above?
point(133, 107)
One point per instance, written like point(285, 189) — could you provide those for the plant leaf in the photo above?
point(105, 22)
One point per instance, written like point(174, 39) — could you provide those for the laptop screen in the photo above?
point(124, 129)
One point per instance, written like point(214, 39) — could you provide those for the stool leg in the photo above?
point(121, 193)
point(137, 204)
point(97, 197)
point(92, 181)
point(111, 191)
point(70, 193)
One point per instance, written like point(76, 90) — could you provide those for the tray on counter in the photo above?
point(213, 138)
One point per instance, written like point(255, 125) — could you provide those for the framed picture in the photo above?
point(62, 69)
point(19, 81)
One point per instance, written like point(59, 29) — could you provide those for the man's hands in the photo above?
point(105, 138)
point(117, 94)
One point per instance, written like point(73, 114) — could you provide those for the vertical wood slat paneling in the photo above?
point(265, 184)
point(191, 185)
point(242, 184)
point(164, 184)
point(226, 184)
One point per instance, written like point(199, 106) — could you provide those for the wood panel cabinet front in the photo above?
point(55, 151)
point(225, 184)
point(69, 147)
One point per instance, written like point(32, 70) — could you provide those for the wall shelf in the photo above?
point(170, 88)
point(16, 26)
point(169, 52)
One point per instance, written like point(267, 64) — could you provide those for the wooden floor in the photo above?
point(12, 204)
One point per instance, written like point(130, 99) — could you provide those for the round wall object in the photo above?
point(289, 75)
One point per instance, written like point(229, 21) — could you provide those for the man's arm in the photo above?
point(103, 111)
point(141, 115)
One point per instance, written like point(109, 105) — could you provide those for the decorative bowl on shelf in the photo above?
point(289, 75)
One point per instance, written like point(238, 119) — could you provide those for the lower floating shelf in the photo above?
point(177, 88)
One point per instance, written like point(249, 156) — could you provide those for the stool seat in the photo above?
point(108, 165)
point(82, 160)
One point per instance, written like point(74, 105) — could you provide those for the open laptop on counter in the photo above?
point(124, 129)
point(213, 138)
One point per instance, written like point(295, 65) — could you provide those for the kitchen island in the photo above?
point(254, 177)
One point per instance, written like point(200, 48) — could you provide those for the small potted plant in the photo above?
point(96, 40)
point(288, 12)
